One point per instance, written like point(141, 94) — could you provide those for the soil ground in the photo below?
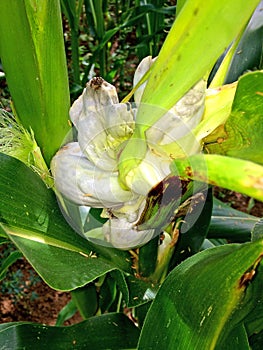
point(35, 301)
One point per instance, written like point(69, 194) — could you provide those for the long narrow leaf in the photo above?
point(33, 57)
point(205, 298)
point(7, 262)
point(111, 331)
point(227, 172)
point(190, 50)
point(30, 215)
point(230, 223)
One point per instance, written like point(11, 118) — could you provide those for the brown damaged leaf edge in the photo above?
point(193, 175)
point(162, 198)
point(248, 276)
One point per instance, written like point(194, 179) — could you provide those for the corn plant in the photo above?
point(125, 219)
point(104, 23)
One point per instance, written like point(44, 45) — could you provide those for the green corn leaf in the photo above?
point(110, 331)
point(86, 300)
point(257, 231)
point(96, 10)
point(7, 262)
point(66, 313)
point(60, 268)
point(72, 10)
point(248, 55)
point(182, 62)
point(245, 54)
point(231, 224)
point(232, 173)
point(241, 136)
point(107, 293)
point(179, 5)
point(30, 215)
point(135, 291)
point(33, 57)
point(4, 238)
point(148, 255)
point(237, 339)
point(194, 228)
point(220, 287)
point(256, 341)
point(221, 73)
point(254, 320)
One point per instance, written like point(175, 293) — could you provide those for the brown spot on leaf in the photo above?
point(189, 171)
point(161, 193)
point(165, 192)
point(220, 140)
point(196, 10)
point(247, 277)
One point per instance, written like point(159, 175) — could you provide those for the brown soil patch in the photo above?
point(30, 299)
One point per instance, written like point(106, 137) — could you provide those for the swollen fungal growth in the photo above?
point(86, 171)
